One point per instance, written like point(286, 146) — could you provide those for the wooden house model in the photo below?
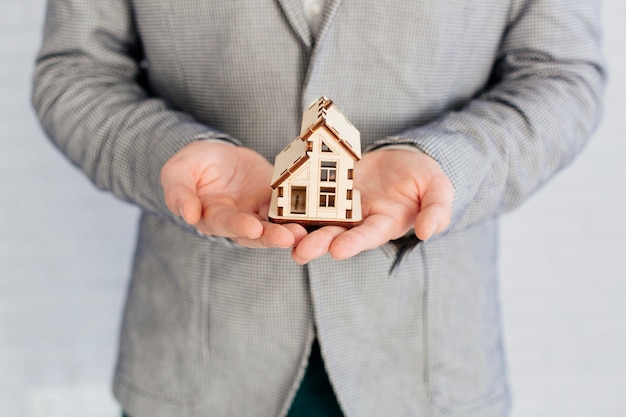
point(313, 176)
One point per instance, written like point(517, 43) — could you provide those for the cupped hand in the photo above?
point(400, 189)
point(223, 190)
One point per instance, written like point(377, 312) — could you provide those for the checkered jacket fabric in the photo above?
point(502, 94)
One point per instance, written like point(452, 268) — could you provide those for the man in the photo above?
point(465, 108)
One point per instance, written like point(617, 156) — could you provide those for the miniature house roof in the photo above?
point(289, 160)
point(321, 113)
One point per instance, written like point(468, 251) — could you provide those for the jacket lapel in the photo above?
point(311, 85)
point(330, 9)
point(294, 12)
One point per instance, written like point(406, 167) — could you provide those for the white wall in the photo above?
point(65, 255)
point(564, 271)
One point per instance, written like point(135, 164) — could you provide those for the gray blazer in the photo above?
point(501, 93)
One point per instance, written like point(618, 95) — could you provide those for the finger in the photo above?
point(179, 189)
point(222, 218)
point(298, 232)
point(315, 244)
point(428, 223)
point(274, 236)
point(184, 202)
point(436, 209)
point(376, 230)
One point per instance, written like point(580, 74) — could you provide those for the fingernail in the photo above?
point(181, 211)
point(433, 229)
point(296, 258)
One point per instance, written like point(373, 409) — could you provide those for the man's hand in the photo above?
point(224, 190)
point(400, 190)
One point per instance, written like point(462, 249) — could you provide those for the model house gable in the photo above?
point(289, 160)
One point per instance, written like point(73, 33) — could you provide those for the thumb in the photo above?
point(429, 222)
point(436, 208)
point(179, 190)
point(184, 202)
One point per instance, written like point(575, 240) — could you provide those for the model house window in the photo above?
point(327, 196)
point(328, 171)
point(350, 173)
point(325, 148)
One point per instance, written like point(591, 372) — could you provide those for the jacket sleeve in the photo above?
point(90, 102)
point(541, 105)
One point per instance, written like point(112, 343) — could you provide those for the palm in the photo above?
point(399, 190)
point(224, 190)
point(240, 178)
point(389, 193)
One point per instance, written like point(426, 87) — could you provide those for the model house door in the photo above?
point(298, 200)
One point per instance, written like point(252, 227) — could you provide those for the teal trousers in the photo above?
point(315, 397)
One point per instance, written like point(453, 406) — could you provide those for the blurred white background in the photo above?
point(65, 253)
